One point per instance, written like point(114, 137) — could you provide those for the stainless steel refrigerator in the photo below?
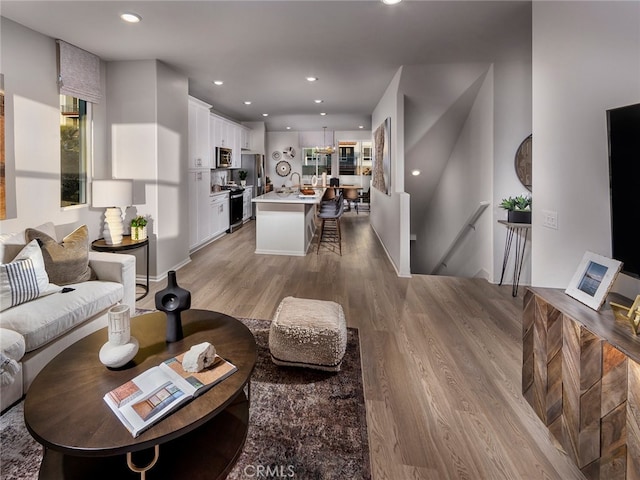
point(255, 167)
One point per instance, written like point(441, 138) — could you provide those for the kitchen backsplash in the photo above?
point(222, 176)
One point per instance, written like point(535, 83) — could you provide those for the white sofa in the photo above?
point(33, 333)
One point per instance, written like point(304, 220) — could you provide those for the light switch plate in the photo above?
point(550, 219)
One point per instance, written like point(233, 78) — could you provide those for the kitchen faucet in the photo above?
point(299, 180)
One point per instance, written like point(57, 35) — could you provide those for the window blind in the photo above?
point(78, 73)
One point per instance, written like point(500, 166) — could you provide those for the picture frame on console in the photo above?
point(593, 279)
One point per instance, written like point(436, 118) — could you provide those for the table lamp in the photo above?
point(112, 194)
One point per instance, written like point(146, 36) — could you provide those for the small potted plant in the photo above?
point(518, 208)
point(243, 177)
point(139, 228)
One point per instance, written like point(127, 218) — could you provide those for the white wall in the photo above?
point(449, 122)
point(585, 60)
point(465, 182)
point(171, 168)
point(147, 132)
point(32, 114)
point(512, 124)
point(278, 141)
point(390, 213)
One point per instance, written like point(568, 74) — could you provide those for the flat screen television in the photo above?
point(623, 126)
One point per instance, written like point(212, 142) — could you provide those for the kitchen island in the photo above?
point(285, 222)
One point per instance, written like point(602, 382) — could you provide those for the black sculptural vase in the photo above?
point(173, 300)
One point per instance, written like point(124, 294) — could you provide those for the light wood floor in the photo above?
point(441, 356)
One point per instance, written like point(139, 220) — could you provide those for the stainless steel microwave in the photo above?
point(223, 157)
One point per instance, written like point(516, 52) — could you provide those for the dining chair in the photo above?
point(364, 200)
point(330, 232)
point(351, 196)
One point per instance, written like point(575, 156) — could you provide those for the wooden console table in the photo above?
point(581, 375)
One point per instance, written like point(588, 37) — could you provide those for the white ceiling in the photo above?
point(263, 50)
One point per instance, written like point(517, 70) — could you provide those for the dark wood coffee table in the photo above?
point(82, 438)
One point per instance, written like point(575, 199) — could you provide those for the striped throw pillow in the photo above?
point(22, 281)
point(24, 278)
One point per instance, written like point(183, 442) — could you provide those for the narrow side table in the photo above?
point(521, 232)
point(127, 244)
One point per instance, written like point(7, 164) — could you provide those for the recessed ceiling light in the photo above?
point(288, 128)
point(218, 82)
point(322, 113)
point(391, 2)
point(415, 173)
point(360, 126)
point(265, 114)
point(247, 102)
point(318, 101)
point(131, 17)
point(312, 79)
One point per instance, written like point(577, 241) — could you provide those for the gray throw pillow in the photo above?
point(66, 262)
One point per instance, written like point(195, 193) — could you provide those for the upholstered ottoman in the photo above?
point(308, 333)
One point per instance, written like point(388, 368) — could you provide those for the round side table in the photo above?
point(127, 244)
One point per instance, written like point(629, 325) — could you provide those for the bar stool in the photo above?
point(330, 227)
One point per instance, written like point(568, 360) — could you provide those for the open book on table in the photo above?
point(155, 393)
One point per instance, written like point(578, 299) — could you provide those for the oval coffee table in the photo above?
point(82, 438)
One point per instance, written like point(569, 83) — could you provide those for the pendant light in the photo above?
point(325, 149)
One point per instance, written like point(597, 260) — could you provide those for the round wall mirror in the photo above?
point(523, 163)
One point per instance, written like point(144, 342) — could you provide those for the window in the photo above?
point(314, 163)
point(355, 158)
point(75, 150)
point(347, 158)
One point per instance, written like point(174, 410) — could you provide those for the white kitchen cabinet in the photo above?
point(219, 213)
point(218, 131)
point(227, 134)
point(200, 152)
point(245, 138)
point(199, 218)
point(222, 132)
point(236, 159)
point(232, 131)
point(247, 206)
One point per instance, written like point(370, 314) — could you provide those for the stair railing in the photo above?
point(470, 224)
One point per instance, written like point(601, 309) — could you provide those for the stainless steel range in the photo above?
point(236, 206)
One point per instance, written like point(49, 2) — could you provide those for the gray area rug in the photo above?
point(303, 423)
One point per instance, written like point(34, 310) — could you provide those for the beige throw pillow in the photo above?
point(66, 262)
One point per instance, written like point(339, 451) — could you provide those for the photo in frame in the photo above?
point(593, 279)
point(382, 157)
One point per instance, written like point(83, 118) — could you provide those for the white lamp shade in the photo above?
point(112, 193)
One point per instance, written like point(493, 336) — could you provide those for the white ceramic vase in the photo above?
point(121, 346)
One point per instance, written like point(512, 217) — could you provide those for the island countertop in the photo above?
point(294, 197)
point(285, 222)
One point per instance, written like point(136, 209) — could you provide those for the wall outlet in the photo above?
point(550, 219)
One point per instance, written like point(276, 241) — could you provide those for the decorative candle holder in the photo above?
point(628, 314)
point(173, 300)
point(121, 346)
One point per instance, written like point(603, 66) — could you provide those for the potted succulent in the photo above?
point(139, 228)
point(243, 177)
point(518, 208)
